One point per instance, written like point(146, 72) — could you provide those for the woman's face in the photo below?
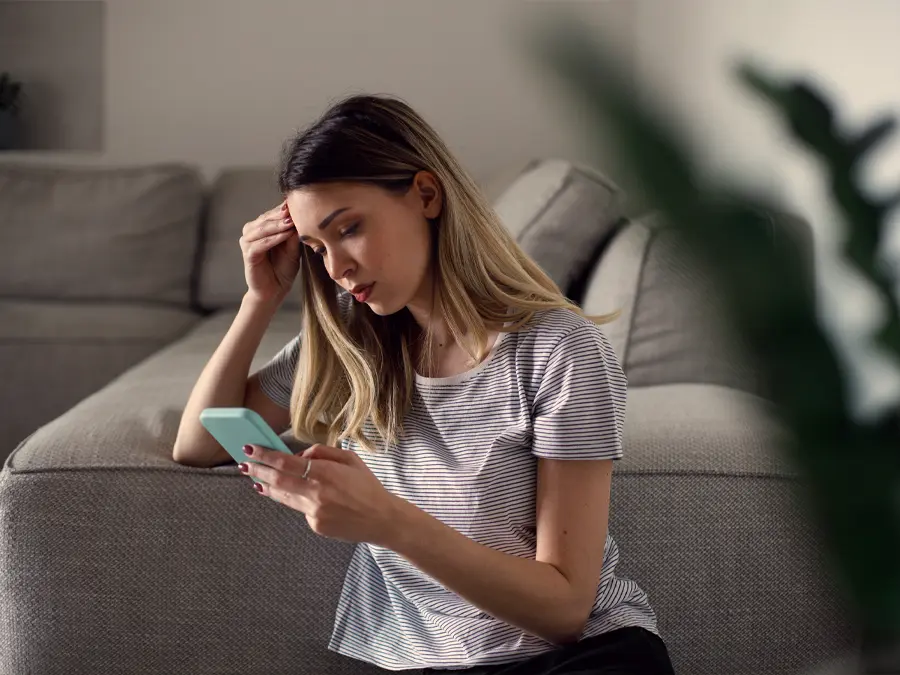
point(369, 237)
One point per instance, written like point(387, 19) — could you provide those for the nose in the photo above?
point(338, 265)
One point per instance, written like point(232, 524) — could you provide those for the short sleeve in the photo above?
point(579, 408)
point(276, 377)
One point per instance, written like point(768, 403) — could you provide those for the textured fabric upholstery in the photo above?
point(123, 234)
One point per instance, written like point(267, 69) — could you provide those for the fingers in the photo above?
point(267, 224)
point(286, 478)
point(268, 230)
point(290, 494)
point(258, 247)
point(319, 451)
point(284, 213)
point(276, 212)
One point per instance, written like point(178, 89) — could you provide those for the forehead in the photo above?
point(310, 205)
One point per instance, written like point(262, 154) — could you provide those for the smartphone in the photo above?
point(234, 428)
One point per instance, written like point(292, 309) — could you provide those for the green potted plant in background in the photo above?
point(10, 98)
point(851, 465)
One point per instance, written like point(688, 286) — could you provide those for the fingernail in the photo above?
point(244, 468)
point(258, 487)
point(248, 450)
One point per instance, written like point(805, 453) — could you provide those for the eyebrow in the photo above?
point(327, 221)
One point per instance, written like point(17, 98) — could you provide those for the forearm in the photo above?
point(223, 381)
point(526, 593)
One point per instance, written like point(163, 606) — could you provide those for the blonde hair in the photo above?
point(357, 371)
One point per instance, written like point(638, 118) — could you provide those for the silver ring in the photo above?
point(308, 465)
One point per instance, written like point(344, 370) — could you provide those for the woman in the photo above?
point(464, 414)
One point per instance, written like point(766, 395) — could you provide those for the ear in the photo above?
point(429, 194)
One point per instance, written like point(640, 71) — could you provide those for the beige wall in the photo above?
point(223, 83)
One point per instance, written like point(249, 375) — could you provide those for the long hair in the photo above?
point(355, 374)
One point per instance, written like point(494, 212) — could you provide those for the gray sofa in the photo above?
point(118, 284)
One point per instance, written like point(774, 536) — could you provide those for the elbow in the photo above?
point(568, 635)
point(195, 462)
point(185, 458)
point(178, 455)
point(569, 629)
point(180, 459)
point(564, 637)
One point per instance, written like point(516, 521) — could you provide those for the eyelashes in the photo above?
point(346, 233)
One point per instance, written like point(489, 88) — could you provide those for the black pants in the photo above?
point(625, 651)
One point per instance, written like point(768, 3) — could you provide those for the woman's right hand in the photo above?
point(271, 250)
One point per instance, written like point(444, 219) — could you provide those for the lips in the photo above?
point(363, 293)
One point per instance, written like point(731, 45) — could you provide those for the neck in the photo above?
point(428, 321)
point(422, 308)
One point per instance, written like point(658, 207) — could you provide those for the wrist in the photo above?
point(255, 301)
point(402, 522)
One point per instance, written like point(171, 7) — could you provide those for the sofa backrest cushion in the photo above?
point(672, 327)
point(562, 214)
point(237, 196)
point(121, 234)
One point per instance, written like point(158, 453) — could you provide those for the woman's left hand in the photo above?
point(340, 496)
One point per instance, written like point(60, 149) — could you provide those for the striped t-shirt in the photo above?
point(469, 456)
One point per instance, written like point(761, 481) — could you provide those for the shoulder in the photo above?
point(558, 345)
point(556, 329)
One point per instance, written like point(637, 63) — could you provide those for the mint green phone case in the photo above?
point(234, 428)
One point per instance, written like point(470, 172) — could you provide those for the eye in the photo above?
point(320, 251)
point(350, 230)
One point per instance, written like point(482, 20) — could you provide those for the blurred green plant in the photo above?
point(10, 94)
point(852, 467)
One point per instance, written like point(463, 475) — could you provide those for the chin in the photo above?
point(381, 310)
point(384, 309)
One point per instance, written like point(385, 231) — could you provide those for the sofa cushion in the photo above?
point(71, 233)
point(671, 329)
point(115, 524)
point(561, 214)
point(237, 197)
